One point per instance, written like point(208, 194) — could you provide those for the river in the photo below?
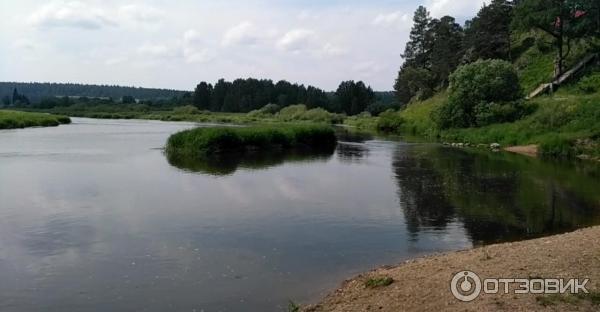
point(93, 217)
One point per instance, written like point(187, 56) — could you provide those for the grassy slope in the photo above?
point(566, 123)
point(14, 119)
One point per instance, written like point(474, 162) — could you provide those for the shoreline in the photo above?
point(423, 284)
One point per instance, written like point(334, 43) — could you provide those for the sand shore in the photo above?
point(424, 284)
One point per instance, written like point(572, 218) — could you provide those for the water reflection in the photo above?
point(226, 164)
point(498, 197)
point(352, 152)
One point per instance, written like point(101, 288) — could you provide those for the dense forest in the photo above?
point(240, 95)
point(437, 47)
point(245, 95)
point(35, 91)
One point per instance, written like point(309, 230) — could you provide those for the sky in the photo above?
point(176, 44)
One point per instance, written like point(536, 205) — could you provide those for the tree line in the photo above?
point(245, 95)
point(36, 91)
point(240, 95)
point(436, 47)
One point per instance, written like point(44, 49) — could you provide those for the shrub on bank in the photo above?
point(481, 93)
point(14, 119)
point(589, 84)
point(266, 111)
point(213, 140)
point(301, 113)
point(186, 110)
point(389, 121)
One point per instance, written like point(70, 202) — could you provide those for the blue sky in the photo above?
point(176, 44)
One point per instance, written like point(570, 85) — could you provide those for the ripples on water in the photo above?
point(93, 217)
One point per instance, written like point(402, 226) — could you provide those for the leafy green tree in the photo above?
point(480, 93)
point(446, 48)
point(487, 35)
point(316, 97)
point(127, 99)
point(6, 100)
point(420, 82)
point(401, 86)
point(354, 97)
point(219, 93)
point(19, 99)
point(416, 52)
point(202, 96)
point(432, 53)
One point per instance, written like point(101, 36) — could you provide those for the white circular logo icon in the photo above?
point(465, 286)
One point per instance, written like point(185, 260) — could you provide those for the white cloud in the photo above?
point(397, 18)
point(141, 13)
point(194, 50)
point(116, 60)
point(72, 14)
point(158, 51)
point(297, 40)
point(332, 50)
point(367, 68)
point(456, 8)
point(244, 33)
point(139, 39)
point(25, 44)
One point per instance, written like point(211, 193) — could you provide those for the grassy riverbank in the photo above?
point(423, 284)
point(292, 113)
point(14, 119)
point(207, 141)
point(564, 124)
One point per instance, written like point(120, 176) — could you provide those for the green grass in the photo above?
point(574, 300)
point(564, 125)
point(417, 116)
point(293, 307)
point(293, 113)
point(208, 141)
point(378, 282)
point(14, 119)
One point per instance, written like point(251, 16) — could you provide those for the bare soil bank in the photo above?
point(424, 284)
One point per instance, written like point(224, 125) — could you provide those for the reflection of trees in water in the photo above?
point(345, 135)
point(421, 191)
point(226, 164)
point(352, 152)
point(497, 197)
point(351, 145)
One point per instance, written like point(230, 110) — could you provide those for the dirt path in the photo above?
point(528, 150)
point(424, 284)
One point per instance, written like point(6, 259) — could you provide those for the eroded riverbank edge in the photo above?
point(423, 284)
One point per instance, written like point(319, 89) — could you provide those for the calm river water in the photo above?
point(93, 217)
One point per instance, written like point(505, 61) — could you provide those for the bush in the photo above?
point(589, 84)
point(201, 142)
point(481, 93)
point(269, 109)
point(292, 112)
point(378, 107)
point(557, 147)
point(300, 113)
point(389, 121)
point(186, 110)
point(14, 119)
